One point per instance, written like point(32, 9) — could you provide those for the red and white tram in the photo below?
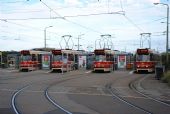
point(104, 60)
point(30, 59)
point(146, 59)
point(64, 60)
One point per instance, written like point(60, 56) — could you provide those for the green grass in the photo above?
point(166, 78)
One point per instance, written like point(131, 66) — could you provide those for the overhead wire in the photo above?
point(66, 16)
point(135, 25)
point(35, 28)
point(94, 14)
point(51, 9)
point(37, 18)
point(85, 27)
point(121, 4)
point(156, 20)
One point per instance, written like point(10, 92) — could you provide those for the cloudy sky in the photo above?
point(22, 23)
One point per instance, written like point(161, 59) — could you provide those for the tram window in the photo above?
point(65, 58)
point(57, 57)
point(143, 58)
point(26, 58)
point(70, 57)
point(100, 58)
point(33, 57)
point(152, 56)
point(108, 57)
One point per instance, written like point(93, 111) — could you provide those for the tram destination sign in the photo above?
point(142, 51)
point(56, 52)
point(99, 52)
point(25, 52)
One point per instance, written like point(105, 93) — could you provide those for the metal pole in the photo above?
point(79, 37)
point(167, 36)
point(62, 63)
point(45, 38)
point(78, 42)
point(45, 44)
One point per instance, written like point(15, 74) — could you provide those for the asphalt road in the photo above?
point(75, 92)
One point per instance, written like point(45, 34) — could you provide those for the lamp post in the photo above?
point(1, 58)
point(78, 45)
point(45, 43)
point(167, 32)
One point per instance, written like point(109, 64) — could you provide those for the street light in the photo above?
point(167, 32)
point(45, 44)
point(79, 37)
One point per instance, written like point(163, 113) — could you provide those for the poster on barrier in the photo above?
point(45, 61)
point(121, 61)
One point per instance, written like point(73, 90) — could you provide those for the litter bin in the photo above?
point(159, 70)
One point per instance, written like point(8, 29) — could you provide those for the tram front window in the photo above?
point(100, 58)
point(143, 58)
point(57, 58)
point(26, 58)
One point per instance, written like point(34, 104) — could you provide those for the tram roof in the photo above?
point(70, 51)
point(109, 51)
point(37, 52)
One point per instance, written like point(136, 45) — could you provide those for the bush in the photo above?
point(166, 78)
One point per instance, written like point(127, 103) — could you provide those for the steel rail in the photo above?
point(128, 103)
point(132, 86)
point(13, 101)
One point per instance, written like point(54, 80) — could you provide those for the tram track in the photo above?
point(54, 101)
point(129, 103)
point(51, 99)
point(114, 95)
point(45, 91)
point(133, 87)
point(13, 100)
point(139, 98)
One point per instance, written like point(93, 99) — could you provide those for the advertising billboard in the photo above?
point(45, 61)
